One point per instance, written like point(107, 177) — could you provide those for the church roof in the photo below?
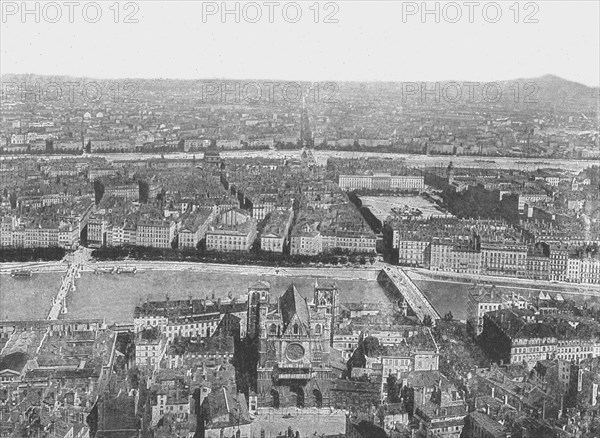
point(260, 284)
point(292, 303)
point(325, 283)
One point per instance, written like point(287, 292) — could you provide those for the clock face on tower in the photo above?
point(294, 352)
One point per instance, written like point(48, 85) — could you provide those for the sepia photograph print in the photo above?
point(299, 219)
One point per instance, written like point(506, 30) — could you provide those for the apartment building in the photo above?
point(504, 258)
point(487, 247)
point(589, 270)
point(228, 144)
point(156, 233)
point(98, 172)
point(407, 182)
point(346, 339)
point(121, 233)
point(62, 170)
point(519, 335)
point(38, 233)
point(538, 267)
point(418, 352)
point(484, 299)
point(100, 146)
point(274, 235)
point(173, 401)
point(506, 341)
point(198, 326)
point(7, 226)
point(531, 198)
point(262, 207)
point(355, 182)
point(447, 255)
point(559, 261)
point(150, 347)
point(194, 226)
point(444, 420)
point(306, 239)
point(128, 191)
point(382, 181)
point(262, 143)
point(412, 251)
point(234, 230)
point(354, 241)
point(72, 146)
point(188, 318)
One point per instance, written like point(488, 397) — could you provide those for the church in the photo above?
point(295, 344)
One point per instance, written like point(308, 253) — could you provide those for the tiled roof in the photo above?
point(14, 361)
point(292, 303)
point(221, 403)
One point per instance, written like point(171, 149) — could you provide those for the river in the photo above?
point(412, 160)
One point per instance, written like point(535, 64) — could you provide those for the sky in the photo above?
point(351, 40)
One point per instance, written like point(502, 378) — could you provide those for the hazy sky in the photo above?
point(372, 40)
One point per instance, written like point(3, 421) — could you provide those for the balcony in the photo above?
point(295, 376)
point(288, 371)
point(293, 365)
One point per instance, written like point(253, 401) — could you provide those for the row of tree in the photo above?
point(31, 254)
point(264, 258)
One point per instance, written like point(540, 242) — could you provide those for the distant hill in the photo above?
point(544, 89)
point(555, 88)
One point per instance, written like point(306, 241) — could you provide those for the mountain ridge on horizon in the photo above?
point(546, 78)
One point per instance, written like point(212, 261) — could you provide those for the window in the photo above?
point(296, 329)
point(318, 329)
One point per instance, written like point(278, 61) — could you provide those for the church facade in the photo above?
point(295, 343)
